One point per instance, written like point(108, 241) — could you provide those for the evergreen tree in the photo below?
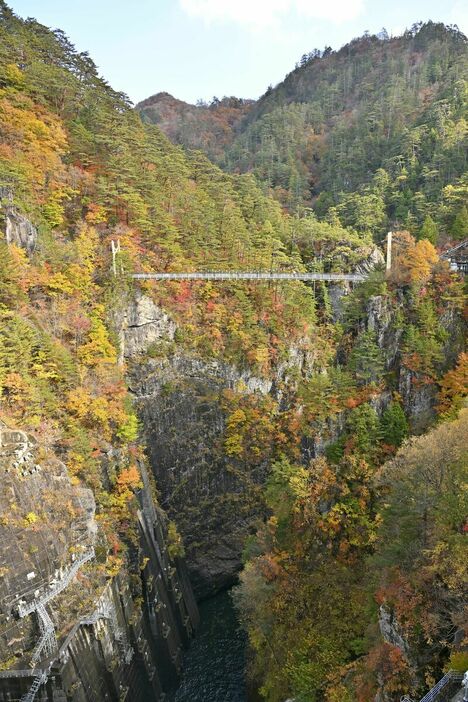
point(366, 360)
point(363, 427)
point(429, 230)
point(460, 224)
point(393, 425)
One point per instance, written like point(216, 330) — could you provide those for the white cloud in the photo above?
point(265, 13)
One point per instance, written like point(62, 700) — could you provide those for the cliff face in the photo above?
point(418, 396)
point(179, 403)
point(18, 229)
point(69, 629)
point(179, 399)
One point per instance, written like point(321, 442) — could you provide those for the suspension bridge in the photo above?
point(236, 275)
point(456, 256)
point(250, 275)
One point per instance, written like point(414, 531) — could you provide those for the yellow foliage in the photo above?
point(78, 402)
point(233, 445)
point(53, 210)
point(98, 349)
point(96, 214)
point(421, 260)
point(412, 261)
point(59, 284)
point(33, 140)
point(14, 76)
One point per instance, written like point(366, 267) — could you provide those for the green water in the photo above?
point(215, 661)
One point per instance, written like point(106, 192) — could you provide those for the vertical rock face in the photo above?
point(391, 631)
point(178, 397)
point(179, 406)
point(105, 643)
point(419, 398)
point(179, 403)
point(18, 228)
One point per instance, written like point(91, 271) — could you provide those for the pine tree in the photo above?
point(429, 230)
point(363, 428)
point(460, 224)
point(393, 425)
point(366, 359)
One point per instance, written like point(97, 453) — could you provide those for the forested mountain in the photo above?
point(274, 416)
point(374, 134)
point(211, 128)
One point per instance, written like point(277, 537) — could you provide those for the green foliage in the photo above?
point(459, 228)
point(128, 431)
point(429, 230)
point(366, 359)
point(362, 427)
point(374, 133)
point(355, 304)
point(84, 167)
point(423, 340)
point(10, 278)
point(423, 519)
point(175, 543)
point(393, 425)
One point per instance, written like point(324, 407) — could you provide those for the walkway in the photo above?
point(251, 275)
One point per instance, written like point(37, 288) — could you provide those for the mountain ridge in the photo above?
point(377, 128)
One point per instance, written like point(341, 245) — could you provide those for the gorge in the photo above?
point(284, 459)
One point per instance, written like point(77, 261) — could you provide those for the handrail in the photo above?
point(249, 275)
point(451, 675)
point(24, 610)
point(47, 640)
point(39, 680)
point(444, 254)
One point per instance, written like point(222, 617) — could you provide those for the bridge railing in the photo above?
point(249, 275)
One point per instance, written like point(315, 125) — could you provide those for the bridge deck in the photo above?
point(250, 275)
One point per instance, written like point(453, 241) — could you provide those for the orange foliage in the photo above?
point(454, 384)
point(128, 479)
point(386, 669)
point(412, 261)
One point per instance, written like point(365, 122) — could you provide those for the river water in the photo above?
point(215, 661)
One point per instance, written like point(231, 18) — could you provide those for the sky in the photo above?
point(196, 49)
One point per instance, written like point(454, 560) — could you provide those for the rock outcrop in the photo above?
point(114, 636)
point(18, 229)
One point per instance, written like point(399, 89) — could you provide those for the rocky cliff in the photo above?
point(178, 397)
point(70, 629)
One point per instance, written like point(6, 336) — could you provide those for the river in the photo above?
point(215, 661)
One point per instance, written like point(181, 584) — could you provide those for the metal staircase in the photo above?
point(439, 688)
point(126, 650)
point(39, 680)
point(62, 584)
point(47, 644)
point(107, 611)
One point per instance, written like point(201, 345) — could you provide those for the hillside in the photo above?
point(211, 128)
point(373, 134)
